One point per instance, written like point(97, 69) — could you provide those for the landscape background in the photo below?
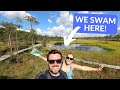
point(44, 30)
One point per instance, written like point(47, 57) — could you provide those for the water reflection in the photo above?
point(80, 47)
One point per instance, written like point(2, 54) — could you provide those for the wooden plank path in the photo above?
point(106, 65)
point(20, 51)
point(84, 61)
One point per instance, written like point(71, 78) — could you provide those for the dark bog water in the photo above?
point(80, 47)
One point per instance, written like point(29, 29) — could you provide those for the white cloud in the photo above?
point(97, 12)
point(92, 12)
point(88, 35)
point(2, 26)
point(27, 30)
point(57, 31)
point(62, 31)
point(53, 17)
point(61, 27)
point(118, 30)
point(39, 31)
point(84, 12)
point(65, 22)
point(20, 29)
point(50, 21)
point(14, 14)
point(65, 19)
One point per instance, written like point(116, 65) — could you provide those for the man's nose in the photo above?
point(55, 62)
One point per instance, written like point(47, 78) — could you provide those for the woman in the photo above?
point(68, 66)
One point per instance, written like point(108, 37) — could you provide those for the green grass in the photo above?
point(27, 69)
point(30, 65)
point(112, 57)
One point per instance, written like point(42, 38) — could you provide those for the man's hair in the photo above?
point(54, 52)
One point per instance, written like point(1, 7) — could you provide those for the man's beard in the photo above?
point(55, 72)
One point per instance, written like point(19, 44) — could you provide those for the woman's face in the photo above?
point(69, 59)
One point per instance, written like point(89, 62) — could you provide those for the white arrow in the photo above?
point(69, 40)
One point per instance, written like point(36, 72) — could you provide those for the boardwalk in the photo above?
point(106, 65)
point(20, 51)
point(84, 61)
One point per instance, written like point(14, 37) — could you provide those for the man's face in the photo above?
point(54, 63)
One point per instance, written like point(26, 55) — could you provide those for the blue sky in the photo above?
point(52, 23)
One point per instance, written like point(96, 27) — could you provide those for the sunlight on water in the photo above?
point(80, 47)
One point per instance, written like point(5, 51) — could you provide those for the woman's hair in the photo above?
point(54, 52)
point(71, 54)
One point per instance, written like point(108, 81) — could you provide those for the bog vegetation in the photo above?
point(26, 66)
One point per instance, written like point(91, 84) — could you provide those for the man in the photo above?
point(54, 59)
